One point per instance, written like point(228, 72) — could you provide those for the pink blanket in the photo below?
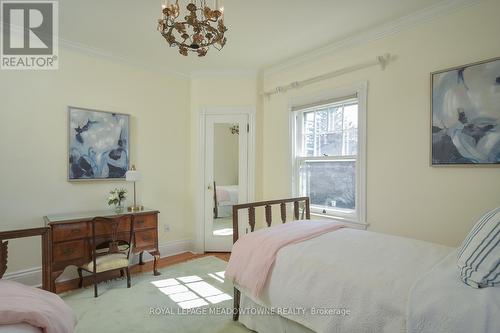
point(254, 254)
point(36, 307)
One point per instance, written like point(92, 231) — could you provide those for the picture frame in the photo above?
point(98, 145)
point(465, 115)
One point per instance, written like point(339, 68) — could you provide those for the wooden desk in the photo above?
point(70, 238)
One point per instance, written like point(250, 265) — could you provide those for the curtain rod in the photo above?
point(381, 61)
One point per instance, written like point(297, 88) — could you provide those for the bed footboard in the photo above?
point(46, 255)
point(306, 214)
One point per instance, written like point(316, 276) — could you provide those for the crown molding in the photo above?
point(382, 31)
point(99, 53)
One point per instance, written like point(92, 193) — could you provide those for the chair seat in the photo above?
point(108, 262)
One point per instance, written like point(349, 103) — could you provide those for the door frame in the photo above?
point(249, 111)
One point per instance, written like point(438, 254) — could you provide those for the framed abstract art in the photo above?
point(98, 144)
point(465, 115)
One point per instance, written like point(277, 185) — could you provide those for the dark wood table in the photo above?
point(70, 238)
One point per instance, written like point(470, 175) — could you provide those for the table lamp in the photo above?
point(133, 175)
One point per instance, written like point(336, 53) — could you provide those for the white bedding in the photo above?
point(227, 197)
point(267, 323)
point(440, 302)
point(365, 273)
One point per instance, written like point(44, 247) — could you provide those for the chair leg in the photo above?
point(128, 277)
point(80, 275)
point(95, 286)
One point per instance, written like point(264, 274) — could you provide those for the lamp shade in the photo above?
point(133, 176)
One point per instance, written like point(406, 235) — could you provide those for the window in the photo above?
point(328, 156)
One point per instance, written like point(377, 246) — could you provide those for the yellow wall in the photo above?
point(405, 195)
point(33, 144)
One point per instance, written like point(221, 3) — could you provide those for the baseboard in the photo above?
point(30, 277)
point(169, 249)
point(33, 276)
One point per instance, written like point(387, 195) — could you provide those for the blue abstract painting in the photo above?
point(466, 115)
point(98, 144)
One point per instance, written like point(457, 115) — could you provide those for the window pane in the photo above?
point(350, 128)
point(331, 131)
point(330, 184)
point(336, 119)
point(331, 144)
point(321, 121)
point(309, 134)
point(350, 116)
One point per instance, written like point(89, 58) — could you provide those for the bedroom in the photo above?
point(375, 55)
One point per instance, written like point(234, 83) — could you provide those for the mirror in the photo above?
point(226, 169)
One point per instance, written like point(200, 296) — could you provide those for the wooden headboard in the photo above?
point(3, 257)
point(269, 219)
point(23, 233)
point(268, 208)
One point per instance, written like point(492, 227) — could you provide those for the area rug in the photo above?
point(187, 297)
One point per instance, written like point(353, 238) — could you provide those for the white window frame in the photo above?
point(359, 214)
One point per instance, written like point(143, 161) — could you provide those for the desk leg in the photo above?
point(141, 262)
point(156, 256)
point(53, 278)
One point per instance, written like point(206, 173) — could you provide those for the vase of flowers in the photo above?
point(116, 197)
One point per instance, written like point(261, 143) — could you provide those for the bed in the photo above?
point(350, 280)
point(225, 197)
point(25, 309)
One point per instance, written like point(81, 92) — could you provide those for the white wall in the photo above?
point(226, 155)
point(405, 195)
point(33, 144)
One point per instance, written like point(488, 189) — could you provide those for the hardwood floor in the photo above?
point(65, 286)
point(169, 261)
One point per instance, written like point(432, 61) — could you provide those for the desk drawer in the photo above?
point(69, 250)
point(64, 232)
point(145, 222)
point(145, 240)
point(105, 228)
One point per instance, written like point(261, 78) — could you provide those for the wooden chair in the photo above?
point(109, 254)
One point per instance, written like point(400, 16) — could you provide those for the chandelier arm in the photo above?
point(196, 33)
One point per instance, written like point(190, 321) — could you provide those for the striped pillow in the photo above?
point(479, 255)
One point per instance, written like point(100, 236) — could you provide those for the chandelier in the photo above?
point(200, 28)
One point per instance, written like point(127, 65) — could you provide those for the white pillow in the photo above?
point(479, 255)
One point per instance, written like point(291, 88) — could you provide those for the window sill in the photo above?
point(349, 223)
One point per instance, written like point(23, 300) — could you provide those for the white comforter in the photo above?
point(440, 303)
point(365, 273)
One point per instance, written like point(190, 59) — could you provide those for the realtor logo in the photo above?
point(29, 35)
